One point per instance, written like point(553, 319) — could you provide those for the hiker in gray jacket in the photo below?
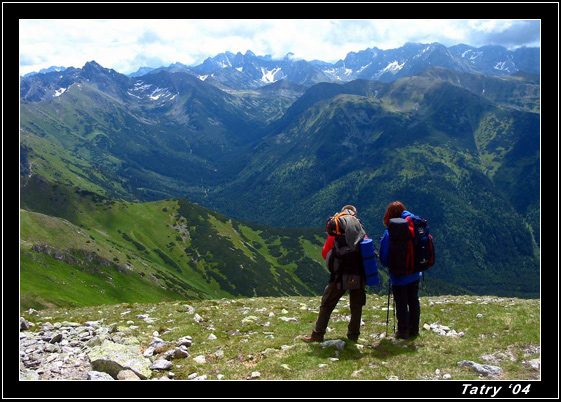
point(342, 253)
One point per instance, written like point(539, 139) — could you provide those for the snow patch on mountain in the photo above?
point(269, 75)
point(158, 93)
point(145, 91)
point(393, 67)
point(471, 55)
point(59, 92)
point(503, 66)
point(361, 69)
point(140, 86)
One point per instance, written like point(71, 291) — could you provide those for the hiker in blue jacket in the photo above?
point(405, 288)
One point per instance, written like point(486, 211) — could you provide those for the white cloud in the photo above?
point(124, 44)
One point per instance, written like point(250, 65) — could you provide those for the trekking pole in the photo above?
point(393, 315)
point(388, 310)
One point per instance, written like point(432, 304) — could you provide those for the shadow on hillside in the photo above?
point(349, 352)
point(383, 349)
point(388, 347)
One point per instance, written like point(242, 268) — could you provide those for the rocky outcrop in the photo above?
point(93, 351)
point(86, 260)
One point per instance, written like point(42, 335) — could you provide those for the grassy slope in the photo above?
point(253, 336)
point(81, 249)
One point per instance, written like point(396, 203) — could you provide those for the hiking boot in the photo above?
point(413, 333)
point(312, 339)
point(352, 339)
point(402, 334)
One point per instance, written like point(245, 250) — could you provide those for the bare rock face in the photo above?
point(111, 358)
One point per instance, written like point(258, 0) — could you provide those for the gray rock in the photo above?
point(484, 369)
point(51, 348)
point(96, 340)
point(201, 359)
point(24, 325)
point(127, 375)
point(498, 357)
point(99, 376)
point(26, 374)
point(110, 357)
point(47, 326)
point(338, 343)
point(254, 374)
point(157, 343)
point(180, 352)
point(531, 350)
point(57, 338)
point(70, 324)
point(185, 341)
point(534, 364)
point(161, 364)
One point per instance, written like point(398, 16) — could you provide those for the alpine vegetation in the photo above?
point(259, 338)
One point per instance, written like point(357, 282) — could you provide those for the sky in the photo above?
point(126, 45)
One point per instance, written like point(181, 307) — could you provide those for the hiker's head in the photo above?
point(393, 210)
point(350, 209)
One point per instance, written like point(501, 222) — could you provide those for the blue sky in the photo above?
point(126, 45)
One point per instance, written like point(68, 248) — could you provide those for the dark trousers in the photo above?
point(407, 306)
point(331, 296)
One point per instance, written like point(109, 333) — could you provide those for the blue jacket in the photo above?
point(384, 251)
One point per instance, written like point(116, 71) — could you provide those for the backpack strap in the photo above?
point(337, 231)
point(336, 218)
point(410, 263)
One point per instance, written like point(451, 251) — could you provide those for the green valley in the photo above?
point(107, 167)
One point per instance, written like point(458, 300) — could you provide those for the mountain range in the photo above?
point(460, 149)
point(238, 71)
point(251, 71)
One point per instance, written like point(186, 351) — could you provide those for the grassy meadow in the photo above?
point(260, 338)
